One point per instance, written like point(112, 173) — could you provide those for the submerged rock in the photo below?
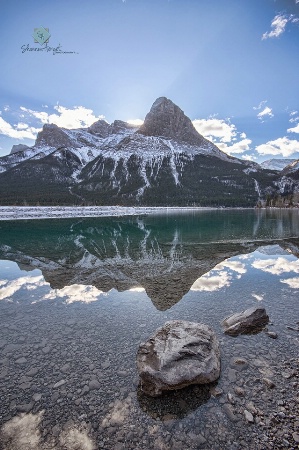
point(178, 354)
point(253, 319)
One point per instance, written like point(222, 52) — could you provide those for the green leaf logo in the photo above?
point(41, 35)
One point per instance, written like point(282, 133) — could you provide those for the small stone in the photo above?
point(105, 364)
point(231, 398)
point(269, 383)
point(272, 334)
point(22, 360)
point(56, 430)
point(251, 320)
point(216, 391)
point(288, 375)
point(229, 412)
point(296, 437)
point(239, 391)
point(94, 384)
point(85, 390)
point(25, 407)
point(59, 383)
point(232, 375)
point(37, 397)
point(65, 368)
point(32, 372)
point(248, 416)
point(251, 407)
point(25, 386)
point(3, 342)
point(239, 363)
point(198, 439)
point(46, 350)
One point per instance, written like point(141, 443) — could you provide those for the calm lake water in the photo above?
point(79, 295)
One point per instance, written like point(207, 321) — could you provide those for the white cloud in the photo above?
point(135, 121)
point(28, 282)
point(21, 126)
point(249, 157)
point(237, 148)
point(265, 112)
point(220, 276)
point(281, 146)
point(278, 25)
point(76, 293)
point(294, 117)
point(236, 266)
point(211, 283)
point(19, 131)
point(261, 104)
point(221, 133)
point(292, 282)
point(77, 117)
point(294, 130)
point(276, 266)
point(215, 128)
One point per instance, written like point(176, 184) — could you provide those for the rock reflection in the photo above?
point(175, 404)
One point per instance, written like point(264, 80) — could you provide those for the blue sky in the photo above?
point(231, 65)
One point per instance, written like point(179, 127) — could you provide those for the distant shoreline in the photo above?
point(67, 212)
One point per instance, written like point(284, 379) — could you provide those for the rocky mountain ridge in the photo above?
point(276, 163)
point(163, 162)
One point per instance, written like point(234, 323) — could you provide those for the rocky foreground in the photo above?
point(68, 375)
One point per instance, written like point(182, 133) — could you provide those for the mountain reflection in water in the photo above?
point(164, 255)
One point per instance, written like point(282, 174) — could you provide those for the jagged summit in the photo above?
point(167, 120)
point(18, 148)
point(99, 128)
point(53, 136)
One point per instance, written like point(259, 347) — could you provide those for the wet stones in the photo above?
point(269, 383)
point(177, 355)
point(249, 321)
point(272, 334)
point(248, 416)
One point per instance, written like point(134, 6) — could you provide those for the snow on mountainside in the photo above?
point(292, 167)
point(166, 130)
point(165, 161)
point(276, 164)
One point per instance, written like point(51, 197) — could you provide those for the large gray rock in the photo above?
point(253, 319)
point(177, 355)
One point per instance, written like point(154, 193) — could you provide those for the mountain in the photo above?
point(276, 164)
point(163, 162)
